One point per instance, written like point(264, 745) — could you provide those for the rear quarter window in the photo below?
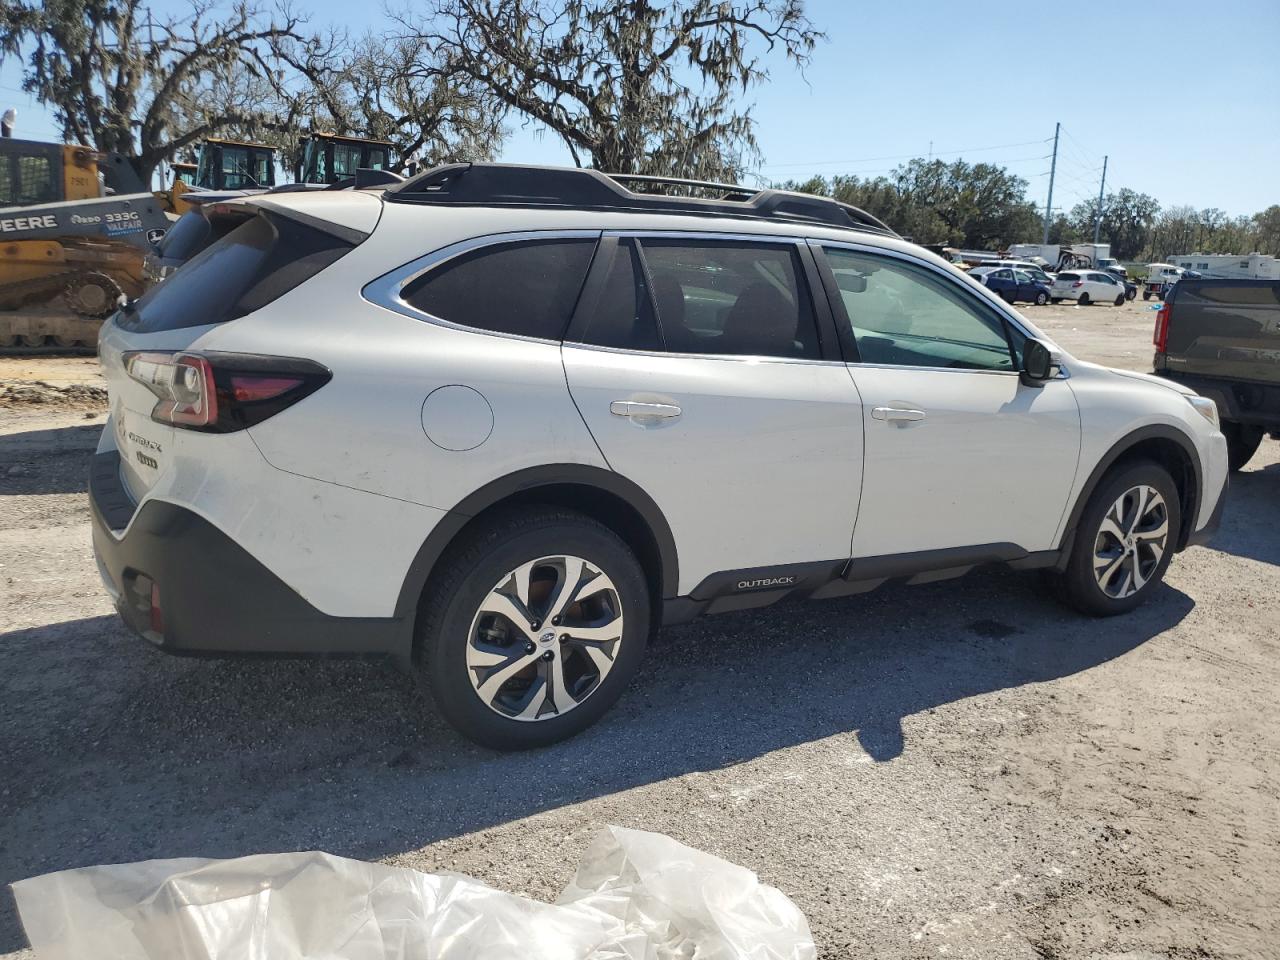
point(526, 288)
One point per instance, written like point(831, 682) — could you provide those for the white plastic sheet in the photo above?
point(636, 896)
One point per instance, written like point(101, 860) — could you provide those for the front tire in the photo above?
point(1120, 300)
point(1242, 443)
point(1041, 298)
point(1123, 543)
point(1146, 294)
point(534, 627)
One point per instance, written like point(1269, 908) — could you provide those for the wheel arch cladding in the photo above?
point(603, 495)
point(1165, 445)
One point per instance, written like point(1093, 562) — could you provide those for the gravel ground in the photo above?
point(962, 769)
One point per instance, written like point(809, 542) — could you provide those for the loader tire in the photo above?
point(93, 294)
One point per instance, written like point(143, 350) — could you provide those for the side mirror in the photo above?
point(1038, 364)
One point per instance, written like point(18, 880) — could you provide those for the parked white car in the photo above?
point(502, 422)
point(1087, 286)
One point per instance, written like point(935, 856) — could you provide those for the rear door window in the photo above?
point(622, 315)
point(526, 288)
point(743, 299)
point(256, 263)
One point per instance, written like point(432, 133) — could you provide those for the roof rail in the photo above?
point(500, 184)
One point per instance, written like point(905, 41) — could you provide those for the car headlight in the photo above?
point(1206, 408)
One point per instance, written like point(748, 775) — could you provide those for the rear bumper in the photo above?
point(214, 598)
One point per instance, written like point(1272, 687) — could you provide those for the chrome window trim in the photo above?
point(384, 291)
point(769, 239)
point(728, 357)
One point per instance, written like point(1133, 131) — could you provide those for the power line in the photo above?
point(900, 156)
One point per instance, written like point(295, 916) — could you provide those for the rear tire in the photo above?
point(1146, 294)
point(1123, 543)
point(513, 684)
point(1084, 300)
point(1008, 297)
point(1242, 443)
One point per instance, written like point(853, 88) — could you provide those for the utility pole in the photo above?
point(1097, 220)
point(1053, 169)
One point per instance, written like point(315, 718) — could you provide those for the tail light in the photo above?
point(1161, 337)
point(222, 392)
point(1078, 283)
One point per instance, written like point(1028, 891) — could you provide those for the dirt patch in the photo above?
point(39, 393)
point(52, 382)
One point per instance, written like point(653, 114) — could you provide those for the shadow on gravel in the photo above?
point(113, 752)
point(1252, 516)
point(47, 461)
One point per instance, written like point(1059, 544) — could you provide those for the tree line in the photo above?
point(630, 86)
point(985, 207)
point(633, 86)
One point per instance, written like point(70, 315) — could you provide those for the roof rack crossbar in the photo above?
point(732, 189)
point(496, 184)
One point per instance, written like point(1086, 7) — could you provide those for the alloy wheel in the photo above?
point(1131, 542)
point(544, 638)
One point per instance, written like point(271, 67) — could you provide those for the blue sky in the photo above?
point(1184, 97)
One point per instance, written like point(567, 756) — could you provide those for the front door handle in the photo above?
point(896, 414)
point(635, 410)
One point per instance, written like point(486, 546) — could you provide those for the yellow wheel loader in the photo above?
point(75, 226)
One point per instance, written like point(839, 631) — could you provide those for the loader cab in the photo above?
point(184, 173)
point(328, 158)
point(235, 165)
point(34, 172)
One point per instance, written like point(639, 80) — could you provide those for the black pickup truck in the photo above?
point(1221, 338)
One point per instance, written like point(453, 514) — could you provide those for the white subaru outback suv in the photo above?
point(502, 422)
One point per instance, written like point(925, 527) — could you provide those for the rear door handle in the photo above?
point(635, 410)
point(896, 414)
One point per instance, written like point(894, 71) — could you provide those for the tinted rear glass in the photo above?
point(185, 238)
point(256, 263)
point(1068, 276)
point(528, 288)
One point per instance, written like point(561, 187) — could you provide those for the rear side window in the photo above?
point(527, 288)
point(731, 298)
point(1256, 294)
point(258, 262)
point(623, 315)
